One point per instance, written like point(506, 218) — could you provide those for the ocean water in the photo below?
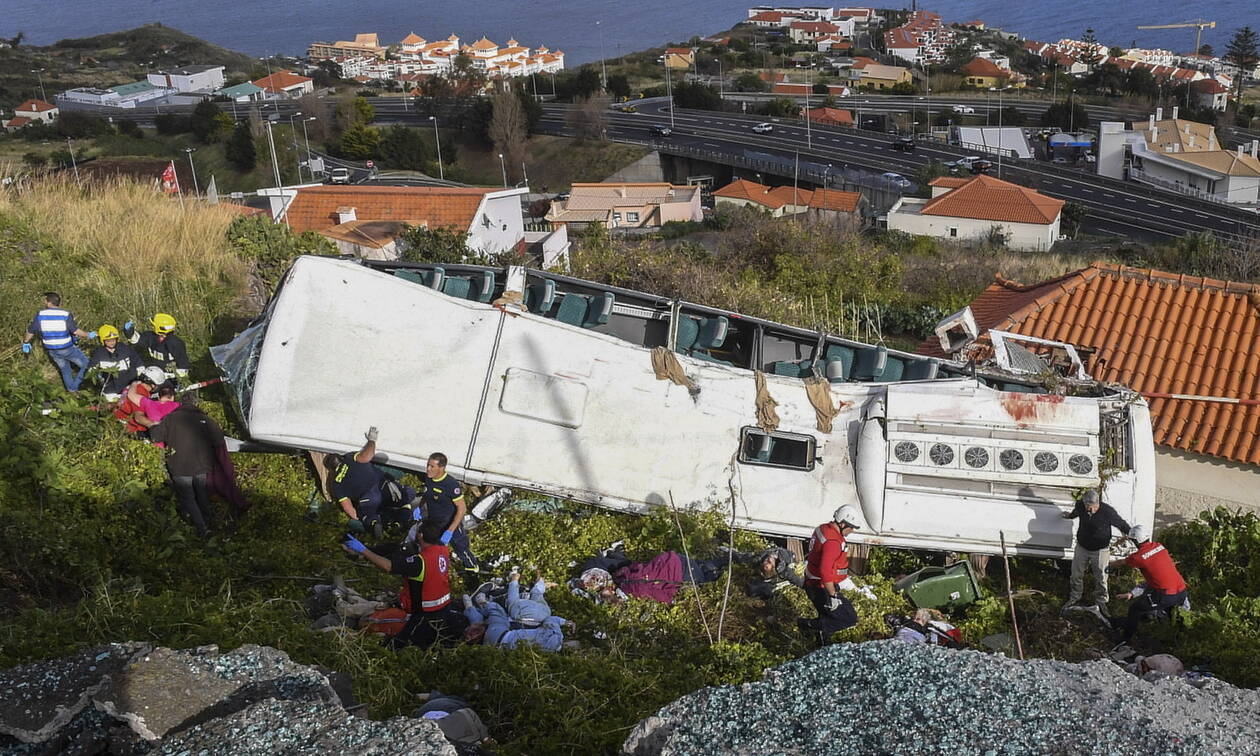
point(287, 26)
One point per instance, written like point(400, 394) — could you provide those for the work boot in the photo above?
point(806, 626)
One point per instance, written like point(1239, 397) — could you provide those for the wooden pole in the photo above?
point(1010, 597)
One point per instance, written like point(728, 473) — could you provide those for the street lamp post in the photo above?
point(293, 135)
point(809, 87)
point(306, 138)
point(73, 164)
point(437, 140)
point(603, 58)
point(40, 73)
point(271, 141)
point(669, 92)
point(193, 166)
point(999, 133)
point(503, 167)
point(721, 92)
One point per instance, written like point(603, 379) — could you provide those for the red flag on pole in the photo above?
point(170, 182)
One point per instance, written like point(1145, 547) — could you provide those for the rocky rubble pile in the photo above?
point(888, 697)
point(134, 698)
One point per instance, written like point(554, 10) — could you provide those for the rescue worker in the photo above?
point(1164, 587)
point(190, 438)
point(118, 363)
point(827, 577)
point(1093, 541)
point(57, 330)
point(427, 573)
point(442, 502)
point(364, 492)
point(160, 347)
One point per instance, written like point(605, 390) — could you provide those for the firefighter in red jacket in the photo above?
point(427, 571)
point(1164, 588)
point(827, 577)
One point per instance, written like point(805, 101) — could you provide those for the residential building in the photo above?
point(626, 205)
point(974, 208)
point(363, 44)
point(770, 19)
point(205, 79)
point(809, 32)
point(680, 57)
point(777, 200)
point(285, 85)
point(825, 116)
point(1182, 156)
point(120, 96)
point(984, 73)
point(834, 43)
point(371, 217)
point(353, 66)
point(835, 205)
point(32, 111)
point(922, 39)
point(417, 56)
point(246, 92)
point(1210, 93)
point(877, 76)
point(1165, 335)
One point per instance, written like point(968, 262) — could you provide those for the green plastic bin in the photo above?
point(941, 587)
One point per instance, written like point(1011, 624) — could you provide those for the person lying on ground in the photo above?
point(144, 387)
point(611, 577)
point(518, 622)
point(772, 570)
point(152, 411)
point(927, 626)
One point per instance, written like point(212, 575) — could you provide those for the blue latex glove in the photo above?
point(416, 514)
point(91, 334)
point(129, 326)
point(26, 348)
point(446, 536)
point(355, 545)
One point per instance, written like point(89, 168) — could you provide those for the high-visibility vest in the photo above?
point(435, 582)
point(54, 328)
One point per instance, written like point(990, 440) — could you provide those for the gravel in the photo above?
point(888, 697)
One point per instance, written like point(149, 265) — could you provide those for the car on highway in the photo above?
point(903, 144)
point(964, 109)
point(339, 176)
point(763, 128)
point(963, 162)
point(660, 130)
point(897, 180)
point(981, 166)
point(629, 109)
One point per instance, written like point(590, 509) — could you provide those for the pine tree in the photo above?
point(1242, 52)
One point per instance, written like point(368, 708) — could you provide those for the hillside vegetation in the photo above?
point(108, 59)
point(92, 549)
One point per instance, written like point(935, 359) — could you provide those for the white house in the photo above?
point(189, 79)
point(32, 111)
point(972, 209)
point(1210, 93)
point(286, 84)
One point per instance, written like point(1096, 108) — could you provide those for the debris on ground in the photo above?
point(135, 698)
point(890, 697)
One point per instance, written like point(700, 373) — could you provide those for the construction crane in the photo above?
point(1199, 25)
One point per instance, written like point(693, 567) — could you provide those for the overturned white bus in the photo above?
point(626, 400)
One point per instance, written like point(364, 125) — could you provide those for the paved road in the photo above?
point(1120, 208)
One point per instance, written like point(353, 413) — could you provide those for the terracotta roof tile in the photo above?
point(315, 208)
point(988, 198)
point(280, 80)
point(1158, 332)
point(834, 199)
point(35, 106)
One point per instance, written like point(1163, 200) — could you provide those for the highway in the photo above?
point(1119, 208)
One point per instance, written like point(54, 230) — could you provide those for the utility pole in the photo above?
point(1000, 140)
point(503, 167)
point(669, 92)
point(193, 166)
point(437, 140)
point(40, 73)
point(305, 138)
point(603, 57)
point(293, 135)
point(275, 166)
point(809, 87)
point(73, 164)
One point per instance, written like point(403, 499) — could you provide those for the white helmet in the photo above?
point(154, 374)
point(1138, 534)
point(847, 515)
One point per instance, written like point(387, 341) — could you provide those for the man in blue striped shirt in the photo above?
point(57, 330)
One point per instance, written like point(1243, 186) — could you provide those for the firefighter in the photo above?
point(827, 577)
point(118, 363)
point(1163, 588)
point(160, 347)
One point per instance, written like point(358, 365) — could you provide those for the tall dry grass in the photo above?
point(116, 250)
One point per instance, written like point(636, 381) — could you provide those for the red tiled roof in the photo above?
point(1155, 332)
point(784, 87)
point(773, 198)
point(280, 81)
point(834, 199)
point(767, 16)
point(35, 106)
point(821, 27)
point(834, 116)
point(16, 122)
point(245, 210)
point(987, 198)
point(315, 208)
point(1208, 86)
point(985, 67)
point(679, 50)
point(953, 182)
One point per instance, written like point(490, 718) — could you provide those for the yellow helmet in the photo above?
point(163, 323)
point(107, 332)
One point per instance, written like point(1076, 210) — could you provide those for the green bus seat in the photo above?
point(870, 364)
point(540, 297)
point(922, 370)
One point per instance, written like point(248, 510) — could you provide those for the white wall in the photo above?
point(499, 223)
point(1189, 483)
point(1020, 236)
